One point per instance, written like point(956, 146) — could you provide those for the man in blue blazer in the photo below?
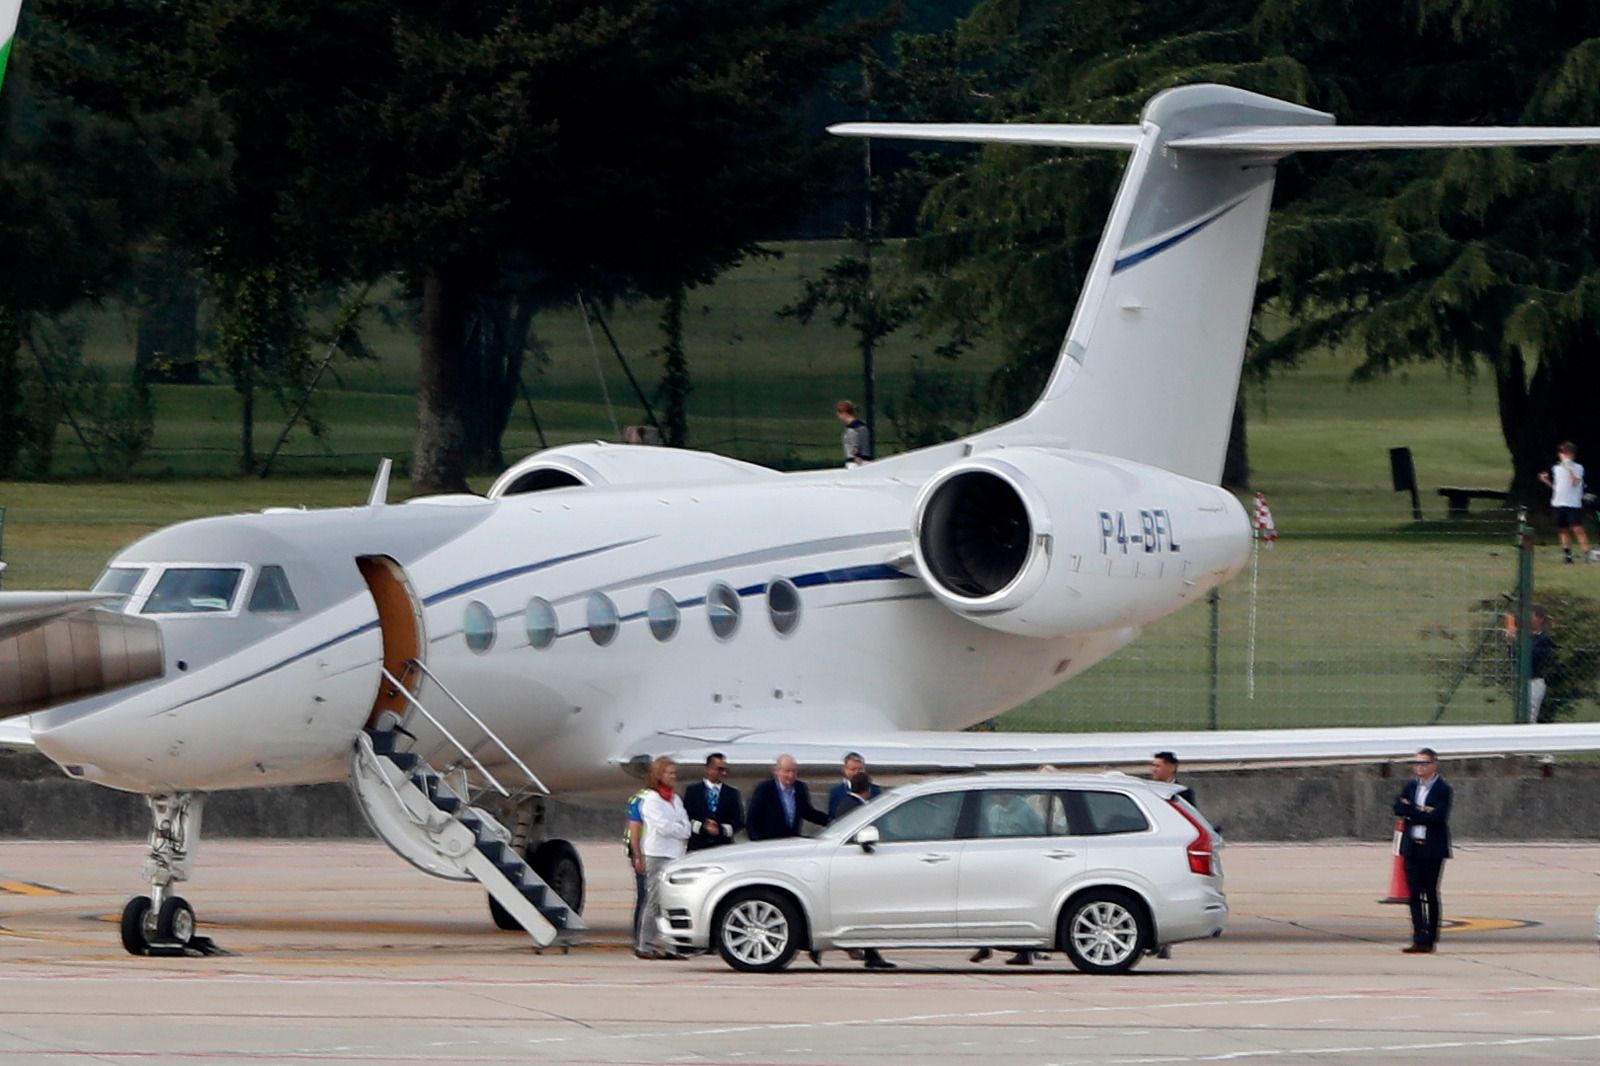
point(779, 805)
point(1424, 807)
point(853, 764)
point(714, 807)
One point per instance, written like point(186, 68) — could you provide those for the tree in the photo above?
point(1484, 260)
point(88, 101)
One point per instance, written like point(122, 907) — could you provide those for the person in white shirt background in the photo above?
point(1566, 498)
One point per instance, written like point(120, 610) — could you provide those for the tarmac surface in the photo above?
point(341, 953)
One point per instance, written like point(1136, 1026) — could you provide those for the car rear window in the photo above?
point(1020, 813)
point(1105, 813)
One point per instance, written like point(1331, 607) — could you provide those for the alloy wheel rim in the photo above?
point(755, 932)
point(1105, 933)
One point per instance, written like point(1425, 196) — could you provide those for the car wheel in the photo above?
point(1104, 932)
point(757, 931)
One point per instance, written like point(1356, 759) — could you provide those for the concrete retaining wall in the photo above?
point(1502, 799)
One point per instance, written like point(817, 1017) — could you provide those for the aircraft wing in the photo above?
point(919, 752)
point(22, 611)
point(15, 735)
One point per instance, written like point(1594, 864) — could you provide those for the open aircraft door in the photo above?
point(400, 622)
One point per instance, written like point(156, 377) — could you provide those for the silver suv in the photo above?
point(1104, 867)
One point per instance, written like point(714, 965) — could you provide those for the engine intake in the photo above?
point(975, 534)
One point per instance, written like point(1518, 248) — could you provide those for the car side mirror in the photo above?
point(867, 837)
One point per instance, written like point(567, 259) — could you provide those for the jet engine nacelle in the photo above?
point(1046, 542)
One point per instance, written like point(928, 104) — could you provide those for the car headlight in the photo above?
point(686, 875)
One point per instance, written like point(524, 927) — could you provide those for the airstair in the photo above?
point(428, 817)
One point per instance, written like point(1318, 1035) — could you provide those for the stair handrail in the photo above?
point(533, 778)
point(366, 753)
point(440, 726)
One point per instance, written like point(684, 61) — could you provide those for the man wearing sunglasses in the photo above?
point(1424, 806)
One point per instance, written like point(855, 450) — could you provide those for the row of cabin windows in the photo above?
point(662, 613)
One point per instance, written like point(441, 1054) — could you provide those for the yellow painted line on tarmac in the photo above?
point(1487, 925)
point(29, 888)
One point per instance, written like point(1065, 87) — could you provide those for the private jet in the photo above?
point(459, 659)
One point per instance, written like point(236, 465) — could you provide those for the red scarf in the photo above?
point(665, 791)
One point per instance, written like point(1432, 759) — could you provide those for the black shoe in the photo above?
point(1418, 949)
point(816, 957)
point(980, 955)
point(1021, 958)
point(877, 962)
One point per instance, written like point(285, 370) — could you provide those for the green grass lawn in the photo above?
point(1361, 618)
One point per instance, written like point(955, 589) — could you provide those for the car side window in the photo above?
point(924, 818)
point(1105, 813)
point(1020, 813)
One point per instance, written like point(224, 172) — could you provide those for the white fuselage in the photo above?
point(869, 646)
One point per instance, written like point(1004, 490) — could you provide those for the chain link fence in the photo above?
point(1338, 625)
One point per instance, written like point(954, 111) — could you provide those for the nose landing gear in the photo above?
point(162, 923)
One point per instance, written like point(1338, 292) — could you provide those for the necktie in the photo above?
point(711, 798)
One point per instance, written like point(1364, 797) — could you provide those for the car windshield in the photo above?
point(863, 813)
point(193, 590)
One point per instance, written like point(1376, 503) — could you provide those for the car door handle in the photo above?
point(1059, 854)
point(935, 858)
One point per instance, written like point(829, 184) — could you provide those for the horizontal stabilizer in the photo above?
point(938, 752)
point(1278, 140)
point(1048, 135)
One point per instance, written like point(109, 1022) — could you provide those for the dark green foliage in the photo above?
point(673, 393)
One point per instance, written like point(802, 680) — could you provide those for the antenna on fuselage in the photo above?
point(380, 485)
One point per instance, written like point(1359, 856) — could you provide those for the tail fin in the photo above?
point(1150, 367)
point(9, 10)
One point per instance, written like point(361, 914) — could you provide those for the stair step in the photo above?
point(404, 759)
point(382, 742)
point(535, 894)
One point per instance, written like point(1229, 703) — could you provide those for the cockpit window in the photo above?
point(272, 592)
point(193, 590)
point(119, 581)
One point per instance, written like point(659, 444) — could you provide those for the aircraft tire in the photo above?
point(135, 938)
point(558, 865)
point(175, 922)
point(502, 917)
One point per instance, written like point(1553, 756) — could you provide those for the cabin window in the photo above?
point(477, 626)
point(663, 614)
point(783, 604)
point(194, 590)
point(540, 621)
point(722, 609)
point(272, 592)
point(602, 616)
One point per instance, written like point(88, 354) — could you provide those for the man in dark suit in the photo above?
point(714, 808)
point(779, 805)
point(1424, 807)
point(1164, 768)
point(838, 795)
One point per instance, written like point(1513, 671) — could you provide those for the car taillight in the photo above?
point(1202, 849)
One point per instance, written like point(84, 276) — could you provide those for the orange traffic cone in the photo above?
point(1399, 891)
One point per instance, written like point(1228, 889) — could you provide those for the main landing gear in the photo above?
point(162, 923)
point(555, 861)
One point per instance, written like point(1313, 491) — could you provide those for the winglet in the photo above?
point(380, 485)
point(9, 11)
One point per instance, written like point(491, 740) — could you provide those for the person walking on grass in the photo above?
point(1565, 481)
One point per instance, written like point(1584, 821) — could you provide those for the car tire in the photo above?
point(1104, 931)
point(757, 931)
